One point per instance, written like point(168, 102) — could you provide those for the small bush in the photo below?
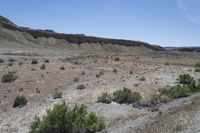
point(179, 91)
point(20, 101)
point(62, 68)
point(97, 75)
point(155, 108)
point(83, 73)
point(104, 98)
point(131, 72)
point(194, 87)
point(20, 63)
point(197, 64)
point(10, 64)
point(9, 77)
point(80, 87)
point(43, 66)
point(34, 61)
point(126, 96)
point(75, 62)
point(2, 60)
point(197, 69)
point(142, 78)
point(116, 58)
point(57, 94)
point(11, 60)
point(115, 70)
point(166, 63)
point(63, 119)
point(76, 79)
point(185, 79)
point(46, 61)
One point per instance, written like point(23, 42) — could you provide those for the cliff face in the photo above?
point(77, 39)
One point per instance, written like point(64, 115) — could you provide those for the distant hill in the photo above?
point(73, 38)
point(184, 49)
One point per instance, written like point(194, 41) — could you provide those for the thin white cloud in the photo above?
point(181, 5)
point(189, 15)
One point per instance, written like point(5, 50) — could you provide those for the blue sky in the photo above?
point(162, 22)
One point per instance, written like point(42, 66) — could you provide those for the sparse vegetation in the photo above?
point(166, 63)
point(20, 63)
point(83, 73)
point(76, 79)
point(46, 61)
point(197, 64)
point(126, 96)
point(34, 61)
point(179, 91)
point(20, 101)
point(105, 98)
point(9, 77)
point(185, 79)
point(57, 94)
point(131, 72)
point(63, 119)
point(75, 62)
point(142, 78)
point(62, 68)
point(10, 64)
point(97, 75)
point(155, 108)
point(2, 60)
point(116, 58)
point(43, 66)
point(11, 60)
point(80, 87)
point(101, 72)
point(197, 70)
point(115, 70)
point(189, 86)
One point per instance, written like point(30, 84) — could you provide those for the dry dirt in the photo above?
point(38, 85)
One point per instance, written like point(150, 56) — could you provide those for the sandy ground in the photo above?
point(39, 85)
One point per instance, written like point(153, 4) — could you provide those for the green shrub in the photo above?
point(76, 79)
point(75, 62)
point(83, 73)
point(194, 87)
point(185, 79)
point(104, 98)
point(179, 91)
point(20, 63)
point(97, 75)
point(197, 69)
point(126, 96)
point(57, 94)
point(9, 77)
point(155, 108)
point(116, 58)
point(11, 60)
point(63, 119)
point(62, 68)
point(2, 60)
point(115, 70)
point(142, 78)
point(46, 61)
point(43, 66)
point(166, 63)
point(80, 87)
point(34, 61)
point(20, 101)
point(10, 64)
point(197, 64)
point(131, 72)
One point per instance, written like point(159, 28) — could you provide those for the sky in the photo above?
point(159, 22)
